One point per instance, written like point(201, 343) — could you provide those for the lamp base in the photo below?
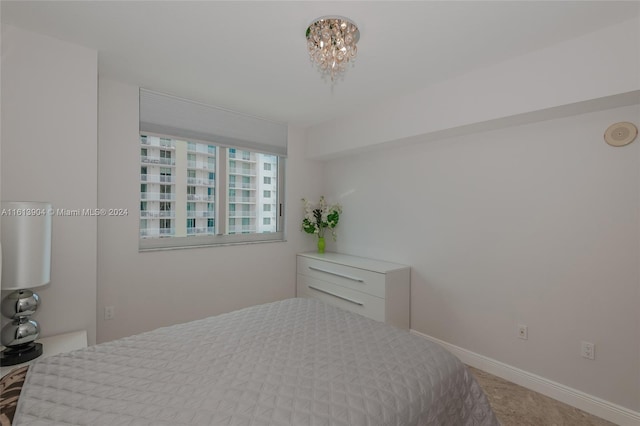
point(18, 355)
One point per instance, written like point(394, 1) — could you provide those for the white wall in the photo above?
point(49, 146)
point(153, 289)
point(595, 66)
point(535, 224)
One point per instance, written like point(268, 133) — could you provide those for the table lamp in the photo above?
point(26, 264)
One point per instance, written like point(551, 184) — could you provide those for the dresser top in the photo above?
point(374, 265)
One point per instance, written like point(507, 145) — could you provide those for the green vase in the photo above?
point(321, 244)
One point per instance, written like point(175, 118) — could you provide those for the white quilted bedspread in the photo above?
point(293, 362)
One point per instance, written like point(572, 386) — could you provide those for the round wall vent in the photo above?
point(621, 134)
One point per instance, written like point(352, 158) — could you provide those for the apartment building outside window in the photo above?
point(178, 188)
point(213, 168)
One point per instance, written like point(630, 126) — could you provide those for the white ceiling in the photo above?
point(251, 56)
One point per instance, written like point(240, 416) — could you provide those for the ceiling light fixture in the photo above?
point(331, 41)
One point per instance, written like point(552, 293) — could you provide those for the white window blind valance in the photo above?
point(181, 118)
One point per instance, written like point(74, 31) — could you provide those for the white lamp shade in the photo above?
point(26, 244)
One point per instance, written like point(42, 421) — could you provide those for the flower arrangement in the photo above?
point(317, 219)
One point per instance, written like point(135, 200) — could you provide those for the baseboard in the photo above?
point(591, 404)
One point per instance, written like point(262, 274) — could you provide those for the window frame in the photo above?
point(221, 204)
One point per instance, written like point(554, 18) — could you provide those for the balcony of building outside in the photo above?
point(242, 185)
point(157, 196)
point(200, 230)
point(239, 199)
point(201, 165)
point(200, 197)
point(208, 214)
point(160, 143)
point(157, 178)
point(242, 214)
point(240, 229)
point(145, 159)
point(201, 181)
point(242, 171)
point(201, 148)
point(168, 161)
point(157, 232)
point(157, 214)
point(242, 156)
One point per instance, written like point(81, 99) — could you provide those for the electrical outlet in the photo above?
point(523, 332)
point(588, 350)
point(109, 312)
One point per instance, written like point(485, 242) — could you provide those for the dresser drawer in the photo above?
point(342, 297)
point(360, 280)
point(374, 288)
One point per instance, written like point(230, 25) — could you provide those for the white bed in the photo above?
point(293, 362)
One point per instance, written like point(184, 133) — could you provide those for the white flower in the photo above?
point(317, 219)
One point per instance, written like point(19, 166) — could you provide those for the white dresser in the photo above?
point(373, 288)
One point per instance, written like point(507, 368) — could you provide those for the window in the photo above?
point(165, 192)
point(165, 157)
point(240, 212)
point(216, 143)
point(166, 229)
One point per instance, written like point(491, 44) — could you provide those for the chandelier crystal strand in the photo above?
point(331, 42)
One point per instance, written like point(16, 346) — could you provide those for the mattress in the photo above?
point(292, 362)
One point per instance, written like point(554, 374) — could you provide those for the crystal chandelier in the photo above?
point(331, 41)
